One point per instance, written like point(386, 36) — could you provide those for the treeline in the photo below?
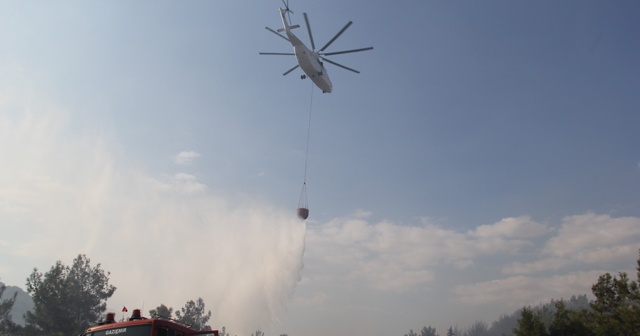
point(69, 299)
point(505, 324)
point(615, 311)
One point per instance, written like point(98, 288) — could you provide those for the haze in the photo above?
point(485, 158)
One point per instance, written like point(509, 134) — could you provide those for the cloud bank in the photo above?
point(186, 157)
point(390, 257)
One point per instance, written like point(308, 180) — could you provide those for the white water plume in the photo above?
point(165, 239)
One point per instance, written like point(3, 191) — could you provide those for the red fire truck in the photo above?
point(137, 325)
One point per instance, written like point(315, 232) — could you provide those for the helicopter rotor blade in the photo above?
point(276, 53)
point(306, 20)
point(287, 10)
point(275, 32)
point(340, 65)
point(288, 71)
point(337, 35)
point(346, 51)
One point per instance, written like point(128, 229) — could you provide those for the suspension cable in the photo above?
point(306, 156)
point(303, 194)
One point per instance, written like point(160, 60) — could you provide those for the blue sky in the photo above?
point(485, 158)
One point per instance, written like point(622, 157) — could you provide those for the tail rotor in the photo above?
point(287, 10)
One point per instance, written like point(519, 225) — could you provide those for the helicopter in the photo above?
point(310, 60)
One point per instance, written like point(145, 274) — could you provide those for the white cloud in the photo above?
point(382, 256)
point(592, 238)
point(537, 266)
point(387, 256)
point(518, 291)
point(604, 255)
point(186, 157)
point(181, 183)
point(585, 239)
point(513, 227)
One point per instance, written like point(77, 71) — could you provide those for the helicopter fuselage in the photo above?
point(308, 60)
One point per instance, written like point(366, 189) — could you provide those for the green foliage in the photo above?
point(192, 314)
point(479, 328)
point(412, 333)
point(614, 312)
point(162, 311)
point(66, 299)
point(504, 325)
point(7, 326)
point(530, 324)
point(450, 331)
point(616, 307)
point(428, 331)
point(568, 322)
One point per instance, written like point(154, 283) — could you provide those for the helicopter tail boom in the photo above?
point(288, 28)
point(285, 22)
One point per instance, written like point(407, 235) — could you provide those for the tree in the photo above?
point(427, 331)
point(504, 325)
point(567, 322)
point(479, 328)
point(412, 333)
point(530, 324)
point(614, 312)
point(7, 326)
point(616, 307)
point(66, 299)
point(450, 331)
point(162, 311)
point(192, 314)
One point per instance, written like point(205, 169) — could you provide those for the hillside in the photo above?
point(23, 303)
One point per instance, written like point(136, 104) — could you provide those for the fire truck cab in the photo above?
point(137, 325)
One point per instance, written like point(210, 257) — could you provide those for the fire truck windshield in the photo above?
point(139, 330)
